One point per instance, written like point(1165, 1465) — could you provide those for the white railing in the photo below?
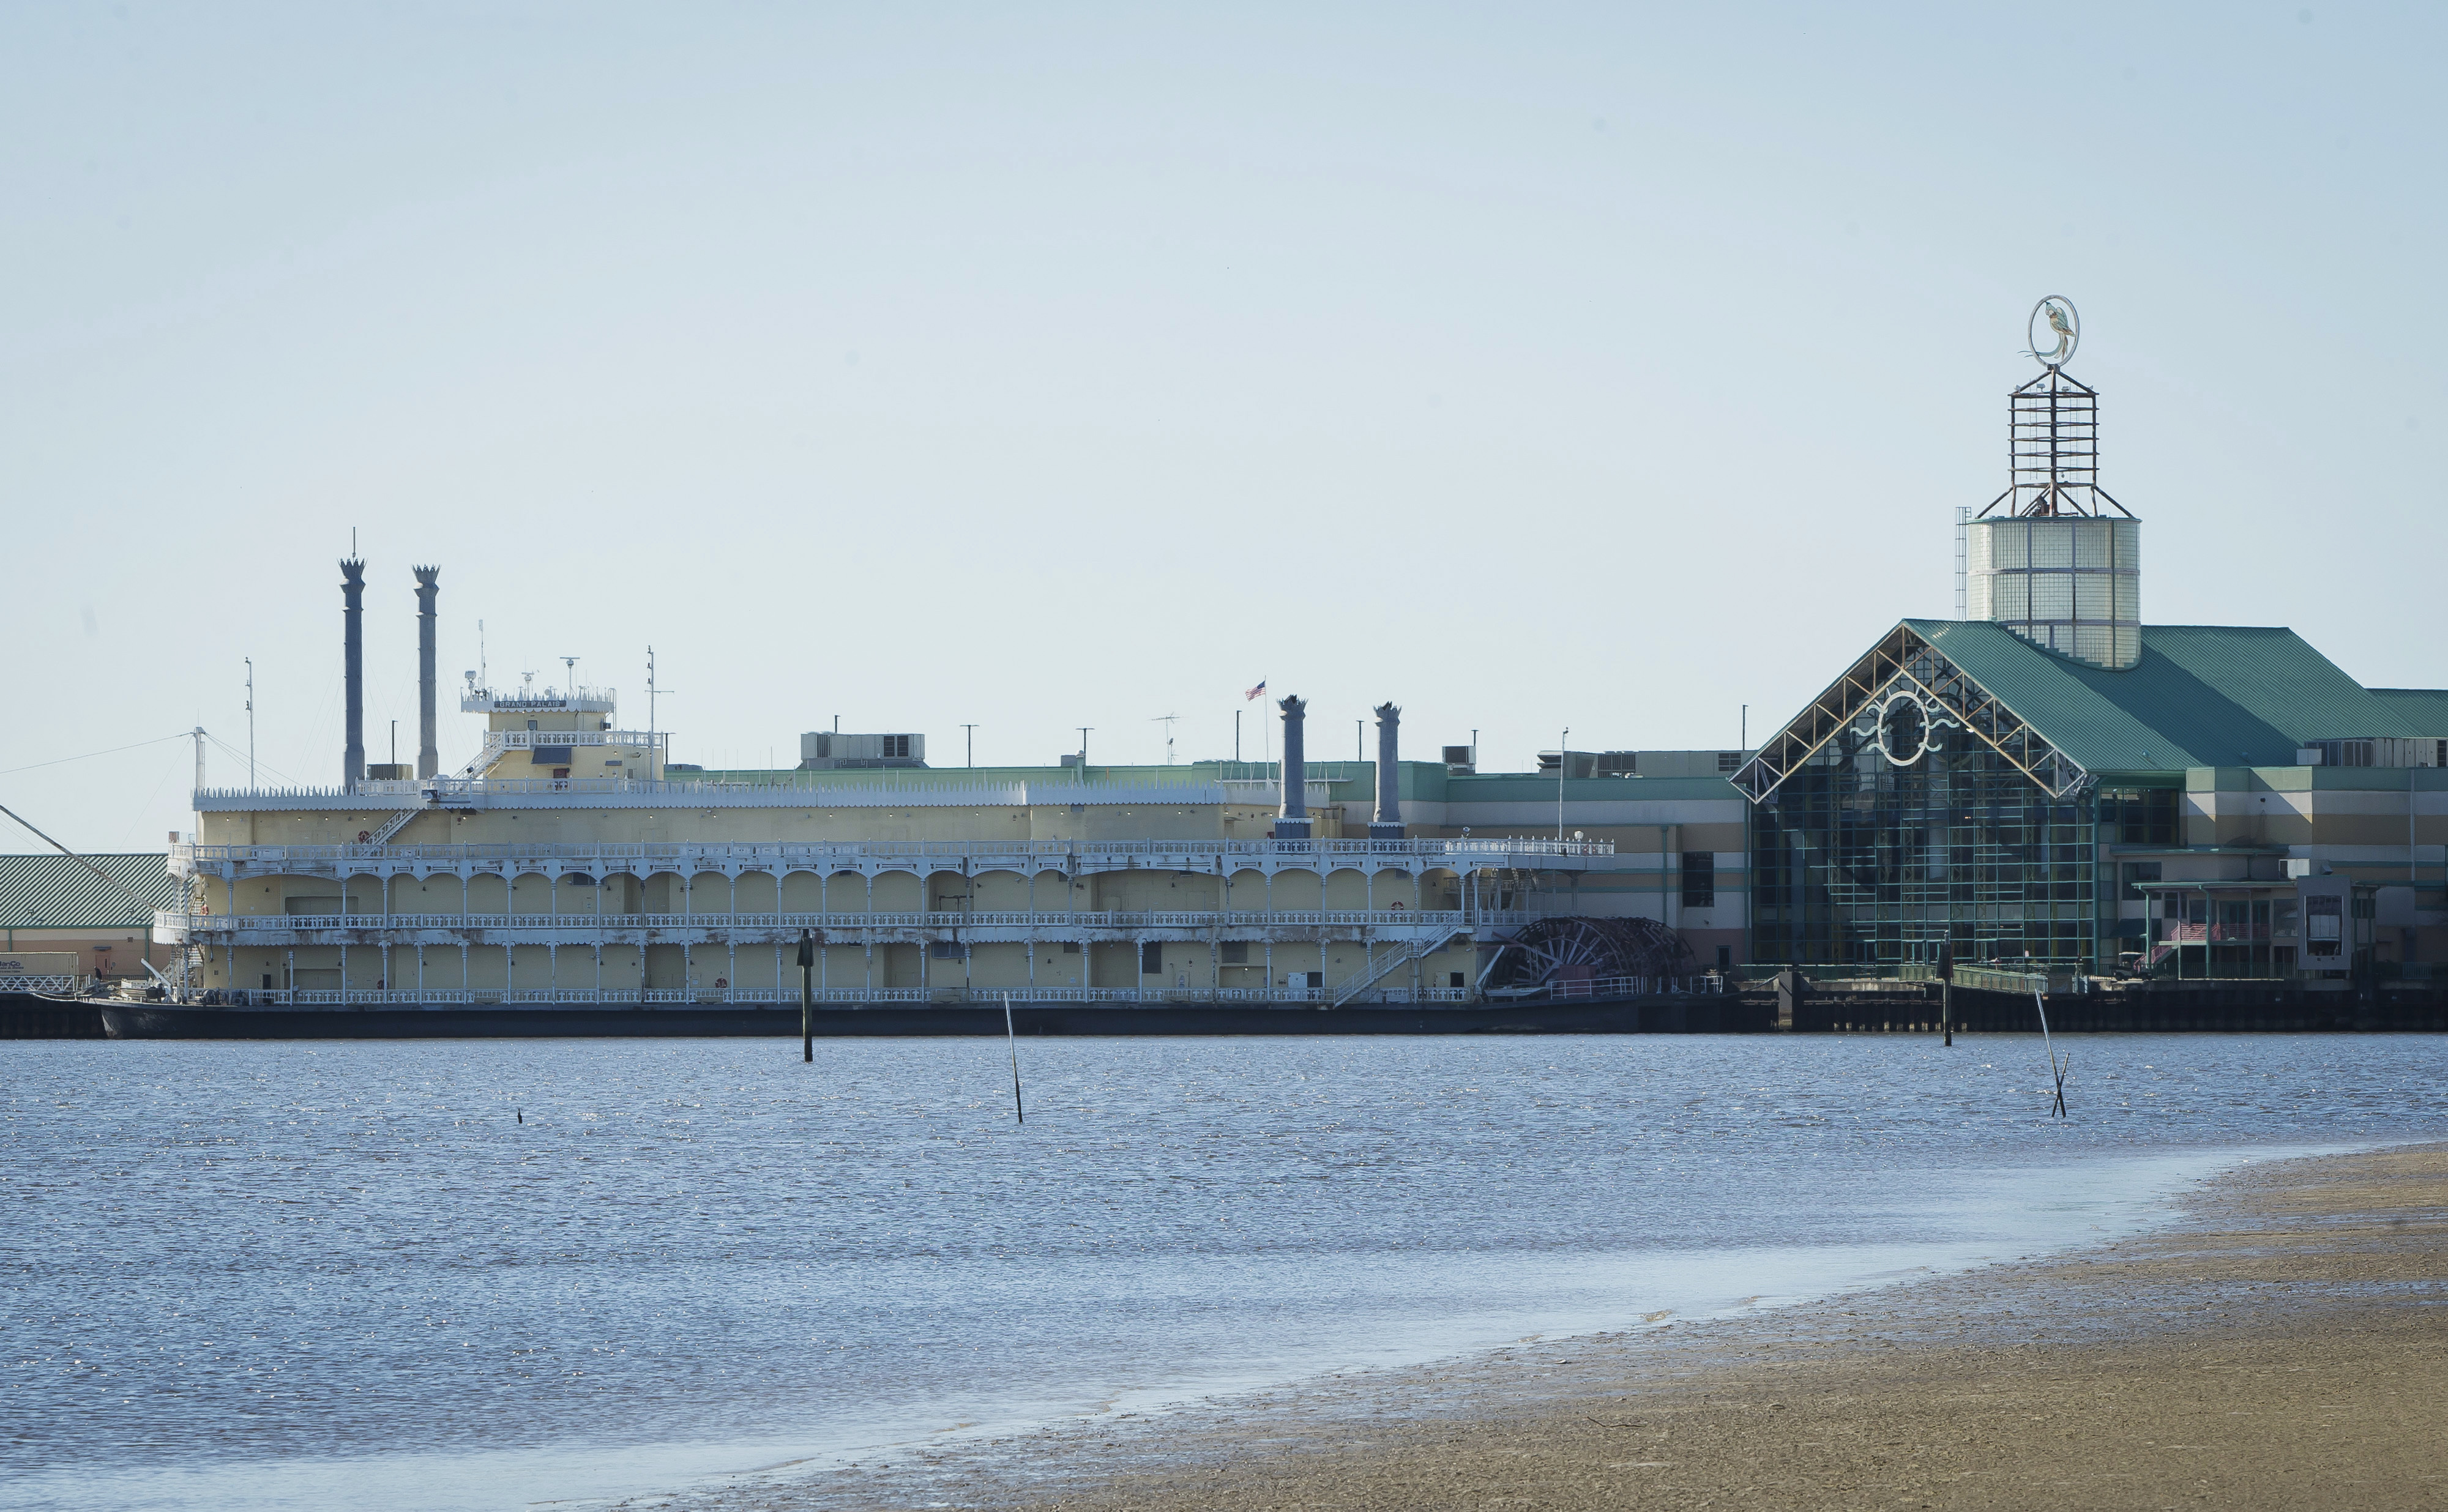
point(789, 997)
point(551, 701)
point(45, 984)
point(176, 926)
point(528, 739)
point(847, 854)
point(1633, 987)
point(792, 789)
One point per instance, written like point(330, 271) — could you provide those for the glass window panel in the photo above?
point(2129, 597)
point(2129, 542)
point(2091, 544)
point(1858, 861)
point(2053, 542)
point(2052, 595)
point(2094, 597)
point(2013, 540)
point(2014, 597)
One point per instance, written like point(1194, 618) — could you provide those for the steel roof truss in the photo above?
point(1904, 658)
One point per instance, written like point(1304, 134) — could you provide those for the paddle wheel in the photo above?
point(1565, 956)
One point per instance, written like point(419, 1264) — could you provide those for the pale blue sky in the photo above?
point(1046, 366)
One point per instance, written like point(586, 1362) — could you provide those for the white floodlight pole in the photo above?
point(1563, 744)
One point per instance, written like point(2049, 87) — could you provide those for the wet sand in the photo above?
point(2284, 1345)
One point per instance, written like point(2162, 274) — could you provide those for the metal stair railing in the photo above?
point(1361, 982)
point(392, 826)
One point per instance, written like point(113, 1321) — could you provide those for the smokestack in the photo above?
point(353, 614)
point(1387, 825)
point(429, 760)
point(1292, 820)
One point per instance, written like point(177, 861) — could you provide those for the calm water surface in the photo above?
point(349, 1276)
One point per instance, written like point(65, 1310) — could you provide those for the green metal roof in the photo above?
point(2202, 695)
point(2426, 709)
point(53, 891)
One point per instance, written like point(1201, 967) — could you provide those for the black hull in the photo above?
point(33, 1016)
point(164, 1020)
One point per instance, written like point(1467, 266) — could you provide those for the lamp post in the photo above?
point(1563, 744)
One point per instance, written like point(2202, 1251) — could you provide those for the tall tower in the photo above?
point(428, 756)
point(352, 671)
point(2055, 558)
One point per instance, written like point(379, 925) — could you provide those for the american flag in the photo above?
point(1254, 692)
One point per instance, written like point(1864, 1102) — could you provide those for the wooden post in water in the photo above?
point(1011, 1037)
point(807, 996)
point(1946, 989)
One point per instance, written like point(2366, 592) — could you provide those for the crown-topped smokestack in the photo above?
point(1387, 824)
point(1292, 820)
point(353, 614)
point(429, 760)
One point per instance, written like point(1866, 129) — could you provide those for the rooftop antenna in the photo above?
point(570, 676)
point(1563, 764)
point(971, 735)
point(1083, 747)
point(1166, 719)
point(483, 676)
point(250, 723)
point(652, 694)
point(1962, 527)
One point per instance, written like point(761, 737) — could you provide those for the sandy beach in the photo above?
point(2284, 1344)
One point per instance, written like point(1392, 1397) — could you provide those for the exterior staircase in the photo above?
point(392, 826)
point(1359, 982)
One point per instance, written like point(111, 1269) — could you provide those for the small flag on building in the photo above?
point(1254, 692)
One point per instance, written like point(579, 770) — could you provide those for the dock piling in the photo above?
point(807, 996)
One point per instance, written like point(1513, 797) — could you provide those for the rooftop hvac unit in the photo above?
point(826, 750)
point(2379, 751)
point(1460, 760)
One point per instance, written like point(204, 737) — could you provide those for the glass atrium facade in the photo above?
point(1859, 858)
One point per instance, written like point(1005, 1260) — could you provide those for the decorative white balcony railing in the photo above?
point(793, 790)
point(789, 997)
point(984, 854)
point(528, 739)
point(192, 927)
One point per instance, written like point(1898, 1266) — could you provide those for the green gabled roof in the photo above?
point(53, 891)
point(2202, 695)
point(2426, 709)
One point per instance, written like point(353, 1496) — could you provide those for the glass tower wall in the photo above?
point(1859, 860)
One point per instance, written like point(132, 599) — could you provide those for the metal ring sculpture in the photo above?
point(2064, 324)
